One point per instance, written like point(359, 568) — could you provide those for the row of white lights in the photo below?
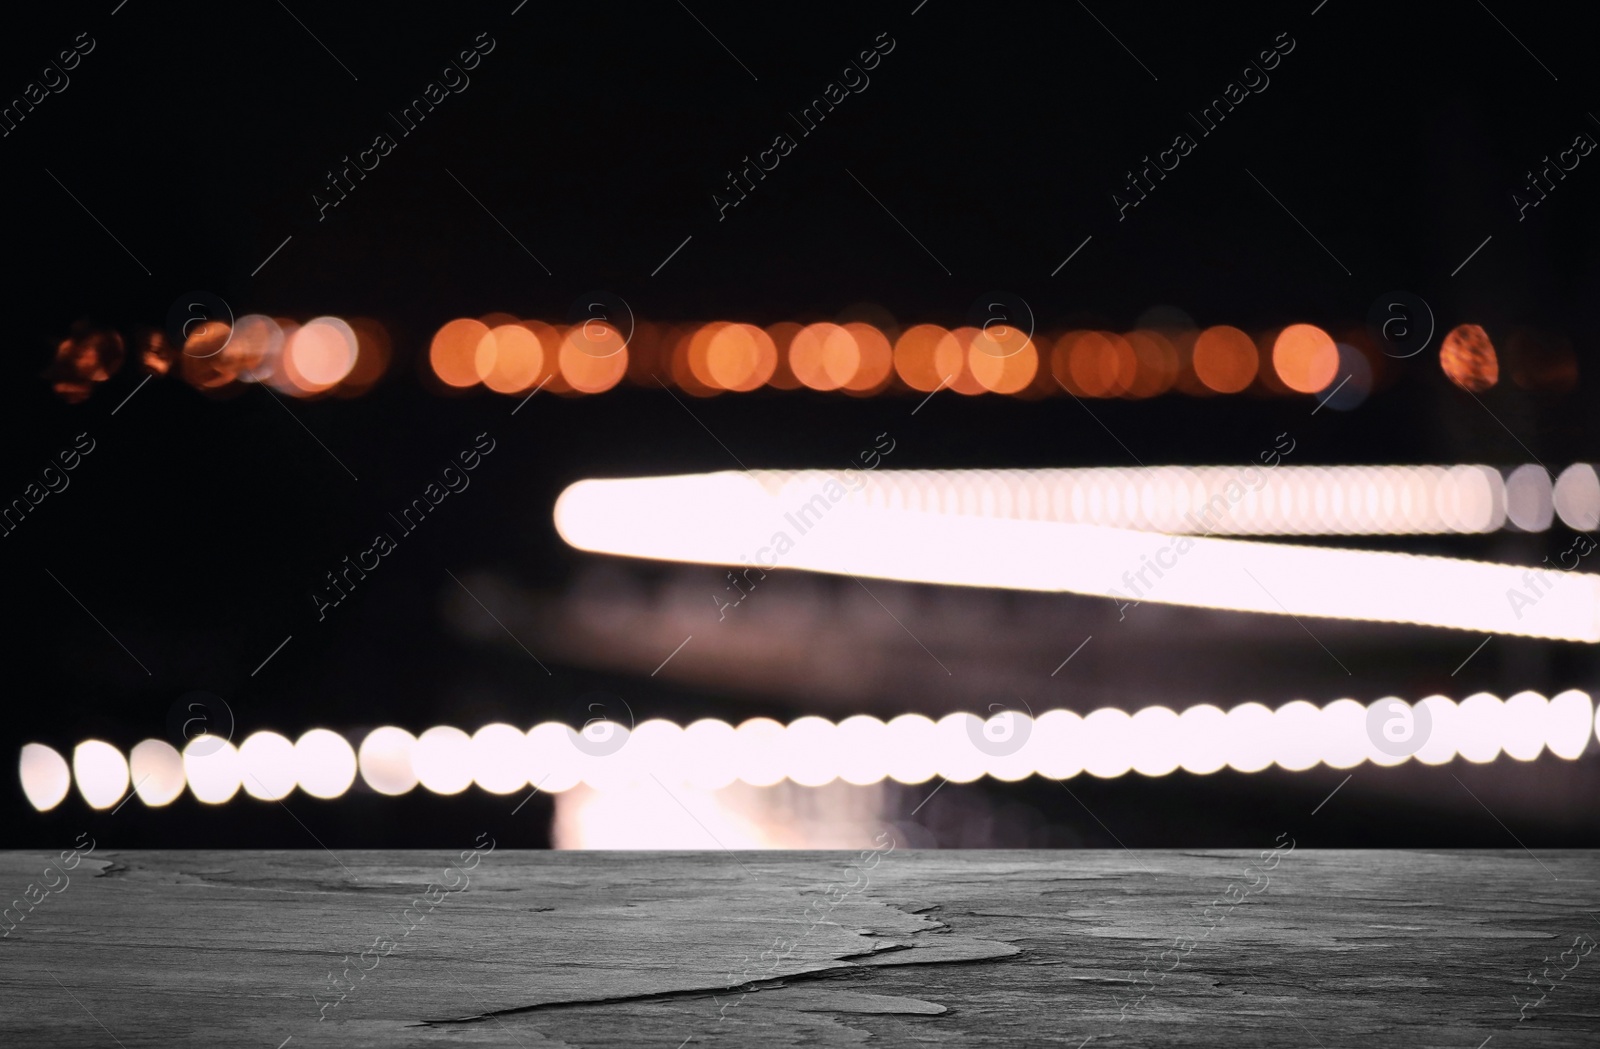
point(1265, 500)
point(813, 751)
point(813, 521)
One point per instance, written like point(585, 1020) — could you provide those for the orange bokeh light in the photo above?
point(740, 357)
point(583, 370)
point(319, 355)
point(1102, 364)
point(1225, 359)
point(1305, 358)
point(950, 358)
point(824, 356)
point(1002, 359)
point(877, 358)
point(914, 357)
point(1157, 363)
point(454, 352)
point(696, 354)
point(1468, 358)
point(509, 358)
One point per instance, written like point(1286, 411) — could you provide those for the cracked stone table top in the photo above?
point(1278, 947)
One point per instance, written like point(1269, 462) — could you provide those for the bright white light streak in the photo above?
point(1246, 499)
point(723, 518)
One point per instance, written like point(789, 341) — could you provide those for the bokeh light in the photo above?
point(101, 773)
point(46, 778)
point(1101, 363)
point(1224, 358)
point(157, 771)
point(915, 358)
point(1468, 358)
point(586, 367)
point(1002, 359)
point(268, 766)
point(739, 357)
point(824, 356)
point(442, 759)
point(509, 358)
point(385, 760)
point(875, 358)
point(1305, 358)
point(1577, 497)
point(453, 354)
point(213, 769)
point(325, 763)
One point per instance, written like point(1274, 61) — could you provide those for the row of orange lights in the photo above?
point(329, 355)
point(508, 355)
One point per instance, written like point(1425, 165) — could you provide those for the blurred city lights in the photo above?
point(810, 751)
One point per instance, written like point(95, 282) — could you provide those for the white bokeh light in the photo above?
point(443, 759)
point(1204, 734)
point(1057, 744)
point(910, 756)
point(1250, 738)
point(809, 756)
point(1481, 719)
point(1567, 724)
point(1157, 745)
point(759, 751)
point(500, 758)
point(1343, 740)
point(556, 764)
point(708, 747)
point(1393, 731)
point(1530, 502)
point(861, 742)
point(1577, 497)
point(1444, 720)
point(1524, 725)
point(157, 771)
point(385, 760)
point(1108, 743)
point(1297, 729)
point(212, 767)
point(325, 763)
point(267, 764)
point(812, 752)
point(101, 773)
point(957, 759)
point(46, 778)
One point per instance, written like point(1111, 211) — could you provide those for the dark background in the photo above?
point(597, 134)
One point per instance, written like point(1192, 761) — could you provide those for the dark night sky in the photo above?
point(597, 134)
